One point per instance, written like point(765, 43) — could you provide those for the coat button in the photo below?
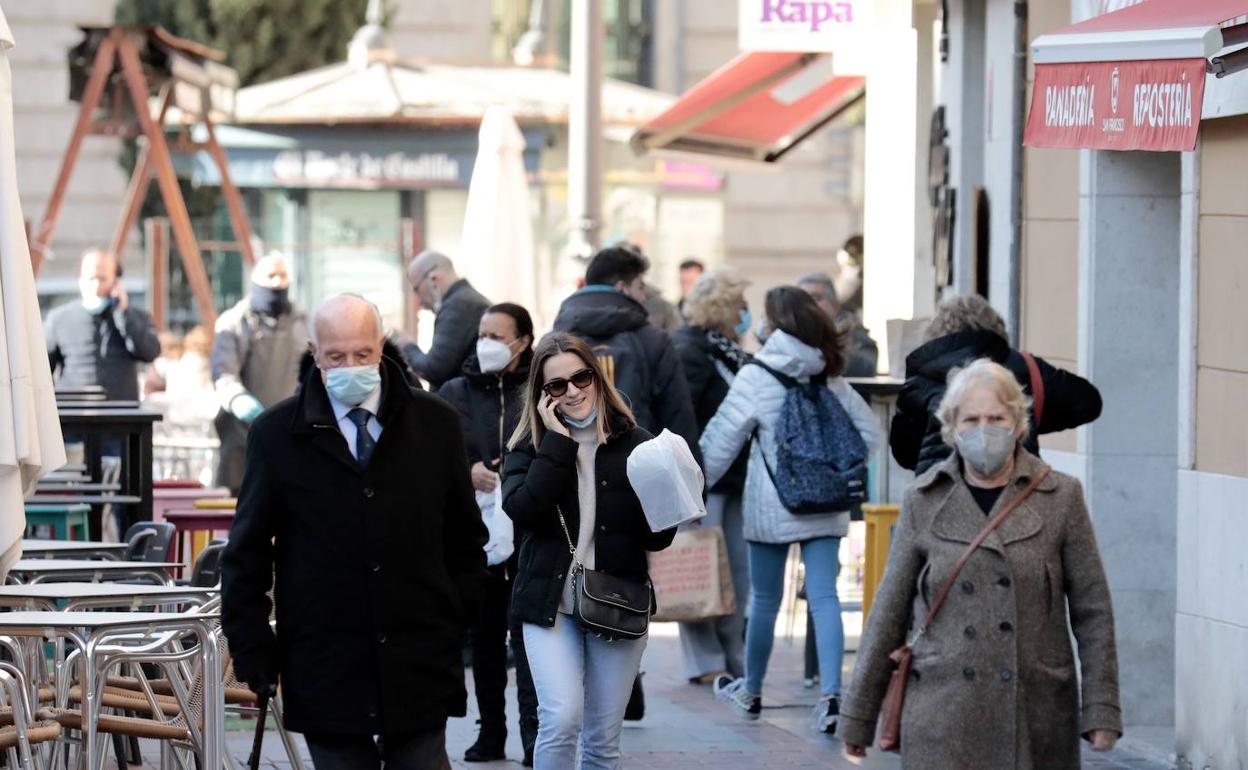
point(602, 528)
point(376, 567)
point(1006, 627)
point(914, 674)
point(559, 576)
point(603, 483)
point(968, 587)
point(368, 491)
point(1004, 582)
point(970, 632)
point(1007, 675)
point(372, 713)
point(969, 673)
point(381, 638)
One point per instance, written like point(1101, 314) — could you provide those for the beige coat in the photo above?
point(994, 683)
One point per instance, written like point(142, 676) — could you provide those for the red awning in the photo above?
point(1133, 79)
point(755, 107)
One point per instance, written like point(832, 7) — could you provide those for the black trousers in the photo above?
point(489, 662)
point(404, 751)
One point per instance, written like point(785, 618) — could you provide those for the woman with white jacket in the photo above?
point(803, 343)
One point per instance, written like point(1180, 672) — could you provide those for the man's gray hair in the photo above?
point(823, 279)
point(329, 304)
point(428, 260)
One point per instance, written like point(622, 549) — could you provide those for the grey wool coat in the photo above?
point(993, 684)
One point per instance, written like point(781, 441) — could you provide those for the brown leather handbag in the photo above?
point(902, 657)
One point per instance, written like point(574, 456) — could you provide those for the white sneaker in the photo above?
point(733, 693)
point(825, 715)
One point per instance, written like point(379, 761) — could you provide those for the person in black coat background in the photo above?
point(609, 314)
point(357, 508)
point(967, 328)
point(565, 483)
point(489, 397)
point(711, 355)
point(458, 307)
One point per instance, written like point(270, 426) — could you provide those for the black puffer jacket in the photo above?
point(489, 407)
point(535, 481)
point(707, 388)
point(654, 386)
point(1069, 400)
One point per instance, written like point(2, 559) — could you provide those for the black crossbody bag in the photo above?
point(606, 605)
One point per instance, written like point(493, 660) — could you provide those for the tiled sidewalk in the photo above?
point(686, 728)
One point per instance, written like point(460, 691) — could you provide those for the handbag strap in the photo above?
point(970, 549)
point(1037, 388)
point(571, 546)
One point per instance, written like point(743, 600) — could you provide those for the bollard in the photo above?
point(880, 520)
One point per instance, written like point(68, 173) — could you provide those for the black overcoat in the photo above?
point(536, 481)
point(376, 570)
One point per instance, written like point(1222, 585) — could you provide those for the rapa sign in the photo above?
point(817, 26)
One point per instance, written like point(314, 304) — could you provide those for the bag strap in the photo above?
point(571, 547)
point(1037, 388)
point(974, 546)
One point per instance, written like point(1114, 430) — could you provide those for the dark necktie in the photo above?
point(364, 444)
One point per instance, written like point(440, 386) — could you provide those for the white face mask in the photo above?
point(493, 355)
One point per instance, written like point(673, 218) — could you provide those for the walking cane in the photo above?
point(253, 762)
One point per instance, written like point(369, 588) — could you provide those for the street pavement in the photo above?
point(685, 727)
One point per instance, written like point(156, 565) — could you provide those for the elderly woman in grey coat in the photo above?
point(993, 683)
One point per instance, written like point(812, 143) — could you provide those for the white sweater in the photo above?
point(587, 497)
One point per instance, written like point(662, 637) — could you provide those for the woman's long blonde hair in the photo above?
point(609, 402)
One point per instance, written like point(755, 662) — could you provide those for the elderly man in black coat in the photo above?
point(356, 506)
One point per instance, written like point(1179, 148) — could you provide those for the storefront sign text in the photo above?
point(815, 26)
point(312, 168)
point(1131, 105)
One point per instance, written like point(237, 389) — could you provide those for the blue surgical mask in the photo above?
point(352, 385)
point(584, 423)
point(747, 320)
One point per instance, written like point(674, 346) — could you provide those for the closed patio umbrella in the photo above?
point(30, 431)
point(497, 242)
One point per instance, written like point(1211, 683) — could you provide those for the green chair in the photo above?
point(68, 522)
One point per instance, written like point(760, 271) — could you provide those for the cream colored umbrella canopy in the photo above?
point(496, 250)
point(31, 444)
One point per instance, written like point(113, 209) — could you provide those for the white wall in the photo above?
point(44, 118)
point(1211, 626)
point(999, 140)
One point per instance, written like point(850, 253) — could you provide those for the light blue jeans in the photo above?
point(583, 684)
point(821, 557)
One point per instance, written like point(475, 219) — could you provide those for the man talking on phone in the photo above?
point(101, 339)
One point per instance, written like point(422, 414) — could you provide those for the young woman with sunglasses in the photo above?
point(568, 460)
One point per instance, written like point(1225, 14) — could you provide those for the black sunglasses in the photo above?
point(558, 386)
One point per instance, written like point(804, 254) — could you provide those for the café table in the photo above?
point(71, 596)
point(90, 571)
point(72, 549)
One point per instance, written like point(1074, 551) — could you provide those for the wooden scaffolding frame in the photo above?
point(118, 52)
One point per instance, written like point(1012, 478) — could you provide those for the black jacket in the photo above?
point(489, 407)
point(536, 481)
point(657, 391)
point(376, 571)
point(454, 335)
point(1069, 400)
point(707, 387)
point(104, 350)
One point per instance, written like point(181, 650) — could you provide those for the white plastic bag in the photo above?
point(502, 534)
point(668, 481)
